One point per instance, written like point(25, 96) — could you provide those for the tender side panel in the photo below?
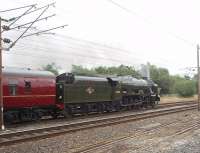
point(87, 91)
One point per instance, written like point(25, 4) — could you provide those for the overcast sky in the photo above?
point(101, 32)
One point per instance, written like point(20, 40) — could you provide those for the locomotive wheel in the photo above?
point(129, 107)
point(66, 114)
point(117, 107)
point(36, 116)
point(25, 115)
point(100, 108)
point(103, 107)
point(85, 109)
point(153, 104)
point(11, 117)
point(145, 105)
point(55, 115)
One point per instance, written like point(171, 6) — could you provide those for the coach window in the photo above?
point(12, 89)
point(27, 86)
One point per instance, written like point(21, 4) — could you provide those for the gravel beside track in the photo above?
point(78, 140)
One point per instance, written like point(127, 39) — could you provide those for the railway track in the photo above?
point(179, 103)
point(191, 127)
point(106, 145)
point(9, 138)
point(50, 120)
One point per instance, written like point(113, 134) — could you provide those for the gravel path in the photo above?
point(159, 140)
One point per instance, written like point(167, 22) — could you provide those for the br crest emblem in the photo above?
point(90, 90)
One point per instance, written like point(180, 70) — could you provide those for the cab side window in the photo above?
point(12, 89)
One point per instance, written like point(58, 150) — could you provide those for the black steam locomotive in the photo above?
point(83, 94)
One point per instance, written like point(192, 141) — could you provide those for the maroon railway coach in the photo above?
point(29, 95)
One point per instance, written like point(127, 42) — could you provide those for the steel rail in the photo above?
point(48, 132)
point(50, 120)
point(194, 126)
point(110, 143)
point(179, 103)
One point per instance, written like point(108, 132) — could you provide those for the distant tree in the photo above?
point(121, 70)
point(187, 77)
point(183, 86)
point(195, 77)
point(186, 88)
point(161, 76)
point(79, 70)
point(52, 67)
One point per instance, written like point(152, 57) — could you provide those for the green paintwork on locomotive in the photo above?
point(82, 89)
point(89, 89)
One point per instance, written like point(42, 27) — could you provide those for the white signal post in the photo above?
point(1, 82)
point(198, 75)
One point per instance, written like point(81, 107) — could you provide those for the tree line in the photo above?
point(184, 86)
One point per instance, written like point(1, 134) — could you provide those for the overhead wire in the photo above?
point(88, 47)
point(103, 46)
point(19, 26)
point(52, 58)
point(17, 8)
point(66, 50)
point(16, 19)
point(39, 8)
point(42, 31)
point(84, 47)
point(71, 52)
point(29, 27)
point(77, 47)
point(46, 50)
point(147, 21)
point(89, 44)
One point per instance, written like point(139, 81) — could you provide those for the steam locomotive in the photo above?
point(30, 95)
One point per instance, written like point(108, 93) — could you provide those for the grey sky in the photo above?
point(162, 32)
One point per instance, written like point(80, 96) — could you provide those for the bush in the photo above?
point(185, 88)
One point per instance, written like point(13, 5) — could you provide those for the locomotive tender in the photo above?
point(30, 95)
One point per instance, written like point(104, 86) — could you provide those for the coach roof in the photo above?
point(27, 72)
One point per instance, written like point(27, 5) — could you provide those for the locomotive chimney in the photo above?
point(145, 71)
